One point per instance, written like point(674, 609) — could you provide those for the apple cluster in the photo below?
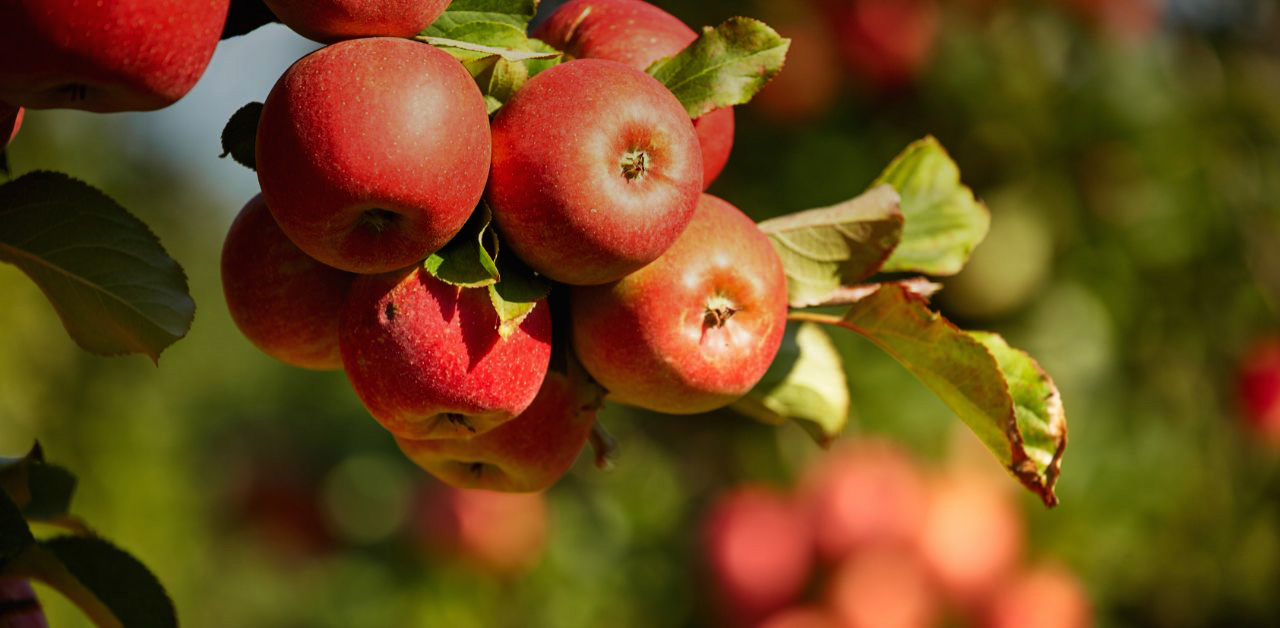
point(379, 162)
point(872, 539)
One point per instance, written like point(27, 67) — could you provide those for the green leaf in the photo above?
point(468, 259)
point(725, 66)
point(113, 285)
point(824, 249)
point(500, 56)
point(982, 388)
point(42, 491)
point(516, 293)
point(943, 220)
point(516, 13)
point(805, 383)
point(240, 135)
point(106, 583)
point(15, 534)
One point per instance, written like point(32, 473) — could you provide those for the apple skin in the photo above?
point(328, 21)
point(758, 552)
point(637, 33)
point(10, 123)
point(1258, 387)
point(694, 330)
point(885, 42)
point(426, 359)
point(801, 617)
point(883, 587)
point(1047, 596)
point(21, 606)
point(122, 55)
point(373, 152)
point(561, 195)
point(810, 81)
point(286, 303)
point(971, 535)
point(500, 534)
point(526, 454)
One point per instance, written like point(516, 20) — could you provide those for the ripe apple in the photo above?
point(971, 535)
point(886, 42)
point(861, 494)
point(637, 33)
point(503, 534)
point(271, 498)
point(373, 152)
point(694, 330)
point(528, 453)
point(1044, 597)
point(758, 551)
point(596, 171)
point(426, 358)
point(883, 587)
point(328, 21)
point(19, 607)
point(286, 303)
point(1258, 384)
point(10, 122)
point(122, 55)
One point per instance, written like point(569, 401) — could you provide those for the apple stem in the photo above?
point(635, 164)
point(604, 446)
point(719, 311)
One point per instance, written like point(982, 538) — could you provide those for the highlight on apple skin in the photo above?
point(123, 55)
point(372, 153)
point(286, 303)
point(426, 358)
point(328, 21)
point(694, 330)
point(637, 33)
point(10, 123)
point(596, 171)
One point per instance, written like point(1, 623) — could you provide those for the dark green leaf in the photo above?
point(725, 66)
point(498, 55)
point(516, 293)
point(824, 249)
point(943, 220)
point(15, 535)
point(4, 162)
point(240, 135)
point(41, 490)
point(467, 260)
point(805, 383)
point(113, 285)
point(516, 13)
point(966, 375)
point(105, 582)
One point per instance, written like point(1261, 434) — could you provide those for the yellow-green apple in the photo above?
point(596, 171)
point(1258, 384)
point(10, 122)
point(885, 42)
point(883, 587)
point(758, 553)
point(117, 55)
point(861, 494)
point(1047, 596)
point(637, 33)
point(971, 535)
point(503, 534)
point(528, 453)
point(334, 20)
point(373, 152)
point(19, 607)
point(427, 360)
point(694, 330)
point(286, 303)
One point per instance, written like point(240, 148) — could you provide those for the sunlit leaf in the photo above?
point(725, 66)
point(805, 382)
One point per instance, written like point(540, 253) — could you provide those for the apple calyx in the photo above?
point(460, 420)
point(719, 310)
point(78, 92)
point(635, 164)
point(377, 219)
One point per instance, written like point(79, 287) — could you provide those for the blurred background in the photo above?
point(1129, 151)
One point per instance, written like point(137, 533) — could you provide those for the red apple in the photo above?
point(1044, 597)
point(883, 587)
point(373, 152)
point(1258, 384)
point(596, 171)
point(503, 534)
point(694, 330)
point(862, 494)
point(426, 358)
point(637, 33)
point(334, 20)
point(758, 550)
point(971, 535)
point(802, 617)
point(286, 303)
point(275, 502)
point(528, 453)
point(886, 42)
point(19, 607)
point(10, 122)
point(104, 56)
point(809, 81)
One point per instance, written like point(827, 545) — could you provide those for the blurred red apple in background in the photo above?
point(334, 20)
point(885, 42)
point(758, 550)
point(1044, 597)
point(1258, 385)
point(637, 33)
point(802, 617)
point(122, 55)
point(883, 587)
point(809, 81)
point(971, 535)
point(503, 534)
point(1132, 20)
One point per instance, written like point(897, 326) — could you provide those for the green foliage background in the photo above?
point(1133, 187)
